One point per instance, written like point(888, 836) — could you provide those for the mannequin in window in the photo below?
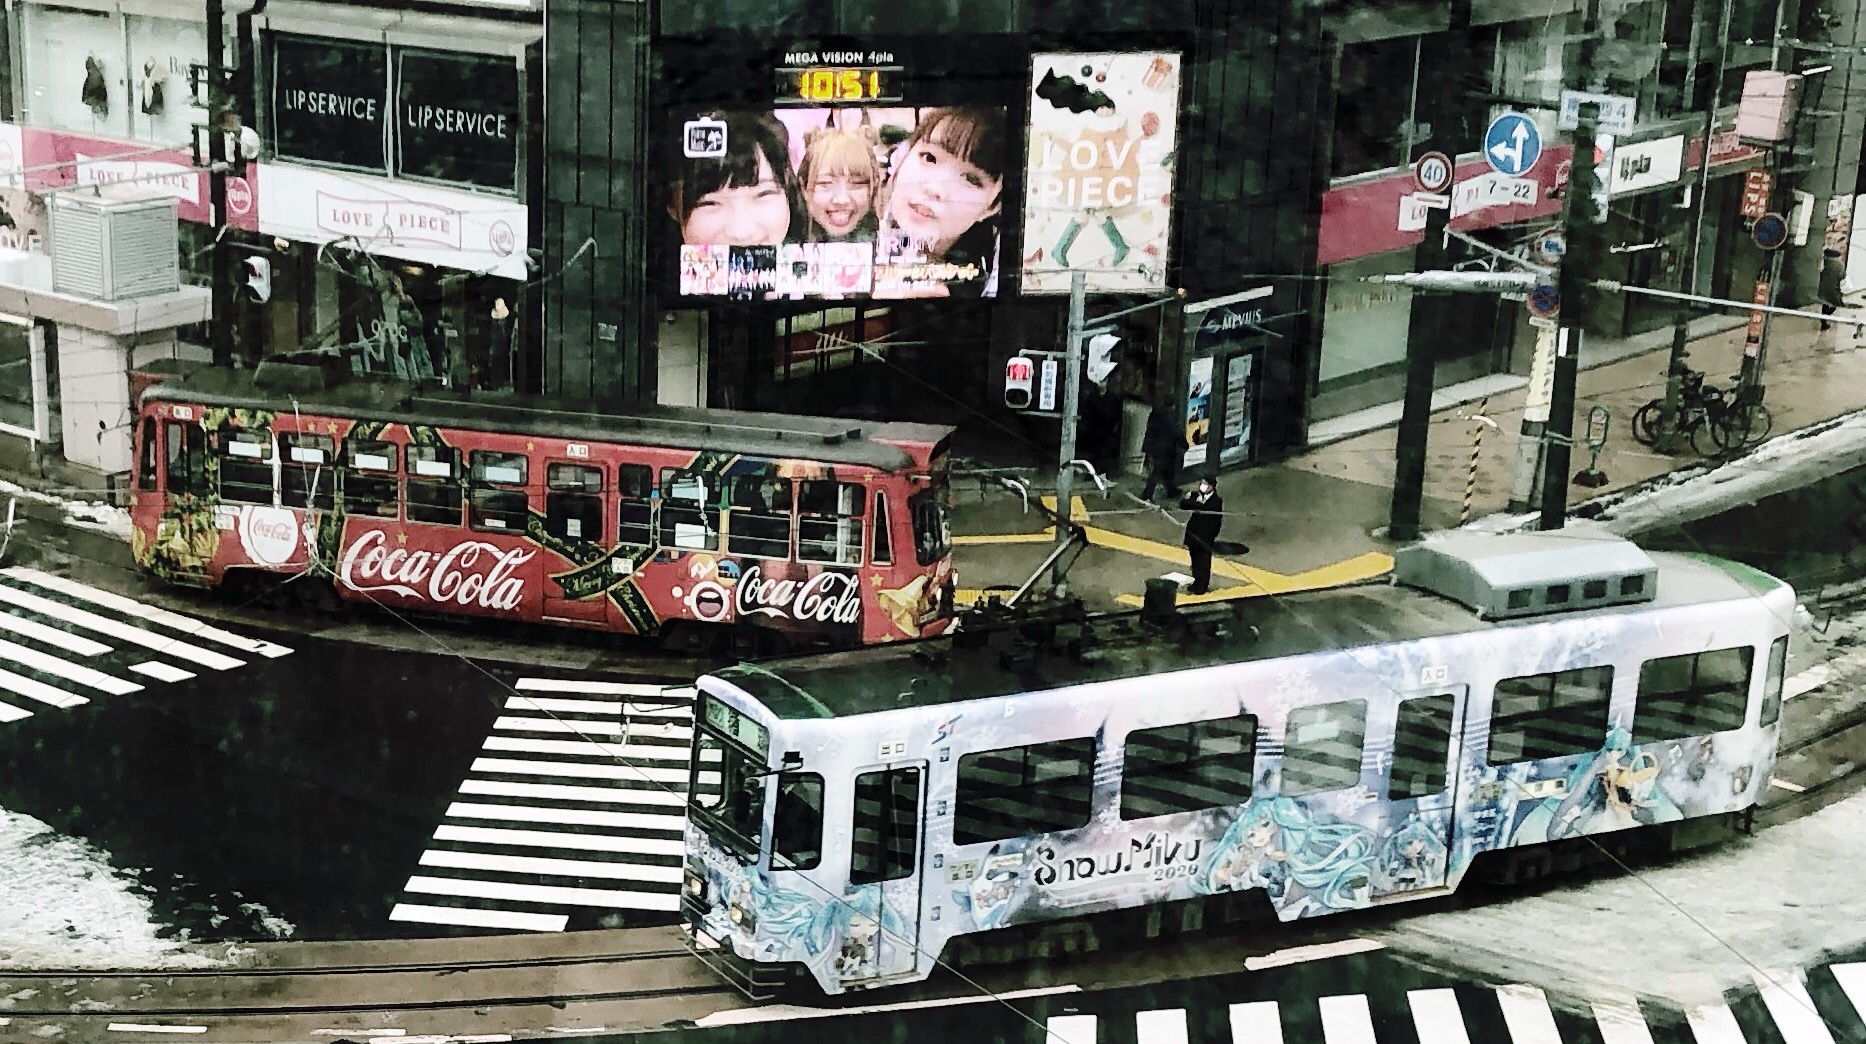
point(95, 92)
point(152, 103)
point(503, 324)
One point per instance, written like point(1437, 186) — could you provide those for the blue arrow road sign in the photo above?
point(1512, 144)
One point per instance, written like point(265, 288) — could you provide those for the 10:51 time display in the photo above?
point(838, 85)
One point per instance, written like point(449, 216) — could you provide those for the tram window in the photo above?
point(829, 522)
point(1549, 715)
point(1421, 747)
point(635, 505)
point(246, 465)
point(307, 476)
point(1184, 768)
point(1014, 791)
point(433, 485)
point(492, 508)
point(1693, 695)
point(689, 510)
point(932, 533)
point(186, 459)
point(573, 501)
point(884, 536)
point(1322, 747)
point(1772, 684)
point(797, 822)
point(886, 833)
point(759, 522)
point(369, 483)
point(146, 456)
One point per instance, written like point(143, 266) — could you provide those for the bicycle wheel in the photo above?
point(1761, 423)
point(1729, 428)
point(1703, 428)
point(1646, 422)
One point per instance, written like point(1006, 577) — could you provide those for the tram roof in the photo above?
point(827, 439)
point(945, 670)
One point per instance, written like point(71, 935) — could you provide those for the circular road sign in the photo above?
point(1770, 231)
point(1551, 246)
point(1545, 301)
point(1433, 172)
point(1512, 144)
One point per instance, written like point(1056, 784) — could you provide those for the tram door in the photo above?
point(881, 932)
point(1421, 793)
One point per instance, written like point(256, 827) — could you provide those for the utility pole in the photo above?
point(1072, 392)
point(220, 317)
point(1415, 426)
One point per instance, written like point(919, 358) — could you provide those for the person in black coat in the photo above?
point(1207, 509)
point(1164, 444)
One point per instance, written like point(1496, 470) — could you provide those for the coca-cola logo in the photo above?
point(268, 535)
point(824, 598)
point(471, 573)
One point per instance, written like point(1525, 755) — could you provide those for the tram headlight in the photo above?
point(695, 884)
point(742, 917)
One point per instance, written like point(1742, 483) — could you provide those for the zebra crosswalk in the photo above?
point(1780, 1009)
point(63, 644)
point(575, 806)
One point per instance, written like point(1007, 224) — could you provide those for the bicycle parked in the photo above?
point(1715, 422)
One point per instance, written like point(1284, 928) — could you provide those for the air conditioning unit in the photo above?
point(116, 244)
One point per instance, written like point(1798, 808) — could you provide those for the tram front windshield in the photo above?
point(728, 788)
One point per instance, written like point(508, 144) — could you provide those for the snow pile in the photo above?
point(84, 514)
point(67, 907)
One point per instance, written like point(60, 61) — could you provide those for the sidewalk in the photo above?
point(1310, 520)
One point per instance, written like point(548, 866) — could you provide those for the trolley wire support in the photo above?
point(1479, 422)
point(1599, 420)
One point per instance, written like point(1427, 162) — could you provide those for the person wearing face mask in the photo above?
point(748, 197)
point(943, 202)
point(838, 178)
point(1202, 527)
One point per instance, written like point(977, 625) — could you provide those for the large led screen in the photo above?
point(839, 203)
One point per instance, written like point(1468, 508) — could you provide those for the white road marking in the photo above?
point(1715, 1024)
point(578, 1031)
point(1620, 1020)
point(131, 607)
point(161, 671)
point(1792, 1008)
point(140, 1027)
point(1162, 1026)
point(466, 918)
point(38, 632)
point(1437, 1017)
point(1069, 1029)
point(8, 712)
point(645, 709)
point(1852, 980)
point(46, 663)
point(574, 726)
point(552, 839)
point(1792, 788)
point(359, 1033)
point(1256, 1022)
point(560, 792)
point(1807, 681)
point(467, 889)
point(786, 1012)
point(562, 816)
point(584, 748)
point(1318, 952)
point(554, 867)
point(104, 625)
point(596, 688)
point(1526, 1012)
point(628, 773)
point(1345, 1019)
point(38, 690)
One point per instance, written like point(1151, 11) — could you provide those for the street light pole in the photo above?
point(220, 318)
point(1072, 392)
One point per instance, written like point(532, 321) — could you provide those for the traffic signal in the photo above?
point(1019, 375)
point(258, 277)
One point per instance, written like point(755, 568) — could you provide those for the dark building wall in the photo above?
point(595, 217)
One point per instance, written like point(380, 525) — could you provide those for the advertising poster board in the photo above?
point(1099, 177)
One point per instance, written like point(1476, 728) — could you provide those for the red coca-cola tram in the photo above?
point(686, 524)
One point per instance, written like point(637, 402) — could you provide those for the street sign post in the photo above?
point(1545, 300)
point(1550, 246)
point(1512, 144)
point(1770, 231)
point(1616, 111)
point(1433, 173)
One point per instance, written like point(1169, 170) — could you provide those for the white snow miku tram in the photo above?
point(854, 812)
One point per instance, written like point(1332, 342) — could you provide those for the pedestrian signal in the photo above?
point(1019, 375)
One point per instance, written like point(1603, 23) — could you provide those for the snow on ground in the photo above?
point(67, 907)
point(85, 514)
point(1683, 932)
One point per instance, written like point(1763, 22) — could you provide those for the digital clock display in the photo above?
point(838, 84)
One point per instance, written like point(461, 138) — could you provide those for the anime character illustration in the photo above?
point(1411, 857)
point(864, 917)
point(1615, 789)
point(1303, 865)
point(990, 894)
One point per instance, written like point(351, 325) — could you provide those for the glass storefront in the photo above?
point(28, 381)
point(120, 76)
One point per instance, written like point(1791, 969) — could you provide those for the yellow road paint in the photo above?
point(977, 539)
point(1078, 511)
point(1347, 571)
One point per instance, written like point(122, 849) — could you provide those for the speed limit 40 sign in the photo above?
point(1433, 172)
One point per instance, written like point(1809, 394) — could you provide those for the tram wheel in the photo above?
point(687, 638)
